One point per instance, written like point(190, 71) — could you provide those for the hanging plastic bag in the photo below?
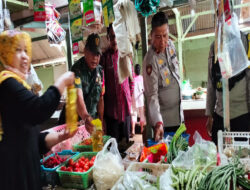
point(201, 153)
point(233, 59)
point(55, 32)
point(129, 14)
point(108, 166)
point(123, 43)
point(34, 81)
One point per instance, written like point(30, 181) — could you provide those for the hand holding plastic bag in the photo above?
point(108, 166)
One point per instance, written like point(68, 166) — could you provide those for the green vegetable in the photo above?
point(222, 177)
point(178, 143)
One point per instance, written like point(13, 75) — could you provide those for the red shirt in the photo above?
point(117, 98)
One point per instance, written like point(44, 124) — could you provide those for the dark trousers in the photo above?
point(118, 130)
point(241, 123)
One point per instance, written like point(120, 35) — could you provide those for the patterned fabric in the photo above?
point(117, 98)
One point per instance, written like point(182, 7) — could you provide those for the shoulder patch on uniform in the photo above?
point(149, 69)
point(77, 80)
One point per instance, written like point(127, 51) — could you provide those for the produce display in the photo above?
point(226, 177)
point(188, 179)
point(168, 165)
point(177, 144)
point(87, 141)
point(81, 165)
point(54, 161)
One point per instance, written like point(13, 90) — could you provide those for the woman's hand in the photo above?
point(52, 139)
point(65, 80)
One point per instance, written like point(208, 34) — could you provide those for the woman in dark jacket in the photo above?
point(21, 143)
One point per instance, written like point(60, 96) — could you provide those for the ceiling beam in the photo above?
point(39, 38)
point(18, 3)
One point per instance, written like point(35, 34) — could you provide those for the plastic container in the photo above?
point(81, 134)
point(236, 141)
point(78, 180)
point(88, 148)
point(151, 142)
point(97, 141)
point(49, 175)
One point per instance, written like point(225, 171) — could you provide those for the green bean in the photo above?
point(192, 173)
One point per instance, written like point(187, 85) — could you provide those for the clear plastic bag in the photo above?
point(34, 81)
point(108, 166)
point(233, 59)
point(201, 153)
point(136, 181)
point(166, 180)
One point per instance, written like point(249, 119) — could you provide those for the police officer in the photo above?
point(239, 99)
point(89, 83)
point(162, 80)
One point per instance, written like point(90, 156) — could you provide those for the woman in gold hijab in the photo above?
point(21, 143)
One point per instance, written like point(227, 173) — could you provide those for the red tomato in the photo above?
point(76, 165)
point(91, 163)
point(81, 163)
point(76, 169)
point(86, 167)
point(80, 170)
point(69, 169)
point(63, 168)
point(71, 162)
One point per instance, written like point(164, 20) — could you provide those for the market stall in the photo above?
point(186, 159)
point(170, 164)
